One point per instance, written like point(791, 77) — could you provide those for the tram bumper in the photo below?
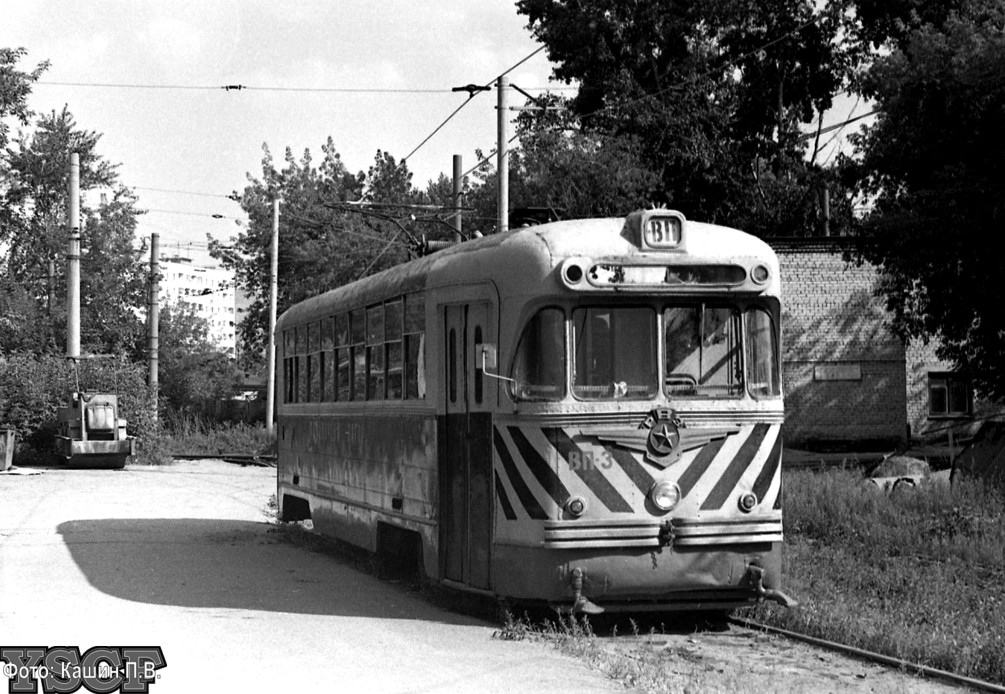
point(687, 577)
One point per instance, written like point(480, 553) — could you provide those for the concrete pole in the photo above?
point(73, 261)
point(153, 317)
point(458, 184)
point(502, 166)
point(270, 402)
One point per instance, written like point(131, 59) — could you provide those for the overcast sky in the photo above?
point(176, 129)
point(207, 140)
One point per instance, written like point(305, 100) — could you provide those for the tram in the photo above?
point(582, 413)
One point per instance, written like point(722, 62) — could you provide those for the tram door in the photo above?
point(466, 463)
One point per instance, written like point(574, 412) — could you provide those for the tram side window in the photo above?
point(328, 359)
point(762, 354)
point(375, 353)
point(314, 361)
point(289, 365)
point(538, 371)
point(302, 364)
point(615, 353)
point(702, 349)
point(414, 347)
point(357, 327)
point(343, 358)
point(392, 345)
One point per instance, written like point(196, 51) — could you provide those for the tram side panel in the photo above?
point(356, 469)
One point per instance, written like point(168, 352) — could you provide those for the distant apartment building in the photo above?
point(206, 291)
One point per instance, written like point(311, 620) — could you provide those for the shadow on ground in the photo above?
point(229, 564)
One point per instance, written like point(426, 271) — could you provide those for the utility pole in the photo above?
point(502, 166)
point(153, 317)
point(458, 184)
point(270, 401)
point(73, 261)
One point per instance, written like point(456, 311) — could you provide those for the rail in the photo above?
point(236, 458)
point(906, 665)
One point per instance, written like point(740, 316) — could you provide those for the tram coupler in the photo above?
point(755, 576)
point(580, 603)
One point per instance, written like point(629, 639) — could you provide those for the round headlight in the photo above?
point(760, 274)
point(573, 273)
point(664, 495)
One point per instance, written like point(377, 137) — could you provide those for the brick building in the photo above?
point(848, 378)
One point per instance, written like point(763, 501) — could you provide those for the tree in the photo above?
point(326, 238)
point(15, 86)
point(709, 96)
point(933, 163)
point(35, 199)
point(192, 370)
point(574, 173)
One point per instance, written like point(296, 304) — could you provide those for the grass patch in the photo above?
point(918, 574)
point(193, 435)
point(190, 435)
point(645, 663)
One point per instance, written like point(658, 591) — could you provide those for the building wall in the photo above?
point(208, 292)
point(844, 371)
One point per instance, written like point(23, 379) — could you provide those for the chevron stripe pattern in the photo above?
point(537, 469)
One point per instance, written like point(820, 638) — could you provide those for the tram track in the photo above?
point(235, 458)
point(900, 663)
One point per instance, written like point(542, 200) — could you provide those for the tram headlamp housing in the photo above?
point(665, 495)
point(573, 271)
point(760, 274)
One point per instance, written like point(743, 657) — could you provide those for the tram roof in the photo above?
point(524, 257)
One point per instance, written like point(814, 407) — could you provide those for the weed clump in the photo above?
point(918, 575)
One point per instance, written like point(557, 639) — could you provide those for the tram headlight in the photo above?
point(664, 495)
point(760, 274)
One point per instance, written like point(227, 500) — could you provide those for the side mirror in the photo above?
point(485, 355)
point(486, 358)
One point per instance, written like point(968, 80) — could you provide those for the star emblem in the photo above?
point(663, 437)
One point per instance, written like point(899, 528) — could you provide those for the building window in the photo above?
point(949, 395)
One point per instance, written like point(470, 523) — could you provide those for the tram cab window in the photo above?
point(762, 354)
point(702, 348)
point(615, 353)
point(539, 367)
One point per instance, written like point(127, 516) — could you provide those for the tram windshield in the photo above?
point(709, 351)
point(539, 369)
point(703, 350)
point(615, 353)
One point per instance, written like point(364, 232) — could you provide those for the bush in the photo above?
point(33, 387)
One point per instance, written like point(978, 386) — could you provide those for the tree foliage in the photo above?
point(194, 372)
point(34, 204)
point(15, 86)
point(326, 237)
point(707, 97)
point(933, 163)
